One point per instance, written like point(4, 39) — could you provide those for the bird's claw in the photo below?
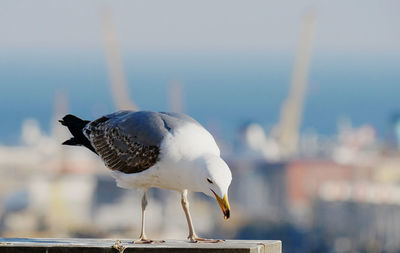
point(195, 239)
point(143, 241)
point(147, 241)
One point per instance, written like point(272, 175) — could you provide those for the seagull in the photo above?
point(145, 149)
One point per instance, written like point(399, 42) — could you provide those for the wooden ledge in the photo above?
point(75, 245)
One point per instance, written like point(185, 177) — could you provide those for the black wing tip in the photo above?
point(71, 142)
point(68, 118)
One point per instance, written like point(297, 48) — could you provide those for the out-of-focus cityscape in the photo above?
point(315, 163)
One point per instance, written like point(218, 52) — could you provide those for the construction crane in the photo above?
point(175, 97)
point(287, 130)
point(119, 87)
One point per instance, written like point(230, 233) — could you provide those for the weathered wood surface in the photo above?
point(35, 245)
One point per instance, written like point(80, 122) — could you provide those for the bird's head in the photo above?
point(215, 178)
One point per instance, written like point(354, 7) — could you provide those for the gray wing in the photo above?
point(174, 119)
point(128, 141)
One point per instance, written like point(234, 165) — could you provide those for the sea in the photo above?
point(222, 89)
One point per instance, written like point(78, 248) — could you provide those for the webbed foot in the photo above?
point(147, 241)
point(196, 239)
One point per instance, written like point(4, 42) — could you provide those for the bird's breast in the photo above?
point(175, 166)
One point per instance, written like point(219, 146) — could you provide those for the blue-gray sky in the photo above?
point(364, 25)
point(234, 59)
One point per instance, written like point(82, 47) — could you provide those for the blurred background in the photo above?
point(303, 98)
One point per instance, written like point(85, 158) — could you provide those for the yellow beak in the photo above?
point(224, 204)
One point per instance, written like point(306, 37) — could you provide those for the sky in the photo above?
point(221, 51)
point(364, 25)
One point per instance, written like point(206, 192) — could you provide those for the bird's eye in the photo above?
point(210, 181)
